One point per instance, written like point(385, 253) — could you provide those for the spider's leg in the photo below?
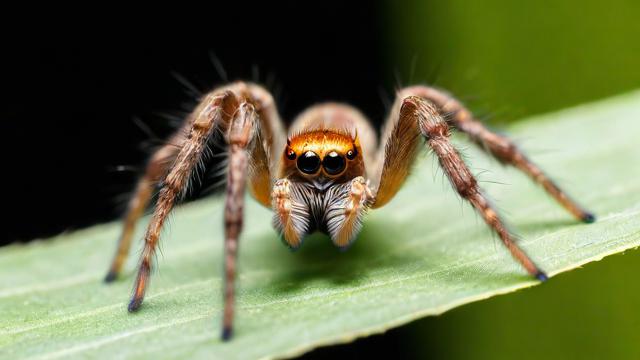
point(245, 151)
point(157, 167)
point(499, 146)
point(214, 111)
point(436, 133)
point(397, 152)
point(256, 137)
point(264, 160)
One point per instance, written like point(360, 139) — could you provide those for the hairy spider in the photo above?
point(323, 176)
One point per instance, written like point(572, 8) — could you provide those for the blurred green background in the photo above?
point(511, 59)
point(518, 57)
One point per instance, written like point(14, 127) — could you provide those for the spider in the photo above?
point(323, 176)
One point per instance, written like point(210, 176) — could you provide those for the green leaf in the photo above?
point(423, 254)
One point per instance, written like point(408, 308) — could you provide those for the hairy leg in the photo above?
point(436, 132)
point(214, 111)
point(272, 136)
point(399, 146)
point(157, 167)
point(231, 110)
point(239, 138)
point(417, 117)
point(256, 137)
point(500, 147)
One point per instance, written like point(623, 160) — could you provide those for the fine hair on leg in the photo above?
point(213, 111)
point(436, 133)
point(412, 118)
point(246, 115)
point(156, 168)
point(496, 145)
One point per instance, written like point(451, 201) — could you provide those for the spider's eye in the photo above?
point(291, 155)
point(333, 163)
point(351, 154)
point(309, 162)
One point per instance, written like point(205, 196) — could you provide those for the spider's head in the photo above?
point(323, 157)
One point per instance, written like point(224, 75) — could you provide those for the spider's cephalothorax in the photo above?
point(323, 176)
point(321, 182)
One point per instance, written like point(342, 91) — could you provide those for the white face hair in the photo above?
point(320, 209)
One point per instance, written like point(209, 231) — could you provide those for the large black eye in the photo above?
point(333, 163)
point(309, 162)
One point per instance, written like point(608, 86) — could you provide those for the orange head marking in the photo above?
point(325, 154)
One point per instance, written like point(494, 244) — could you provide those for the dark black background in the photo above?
point(73, 84)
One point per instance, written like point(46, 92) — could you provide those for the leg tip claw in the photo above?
point(540, 275)
point(134, 305)
point(226, 333)
point(588, 218)
point(111, 276)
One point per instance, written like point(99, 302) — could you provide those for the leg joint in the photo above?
point(431, 124)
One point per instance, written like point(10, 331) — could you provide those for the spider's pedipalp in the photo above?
point(291, 215)
point(344, 218)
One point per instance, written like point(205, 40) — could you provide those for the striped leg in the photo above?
point(213, 111)
point(418, 117)
point(497, 145)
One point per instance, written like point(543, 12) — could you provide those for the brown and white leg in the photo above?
point(157, 167)
point(254, 134)
point(500, 147)
point(436, 132)
point(415, 118)
point(231, 110)
point(271, 135)
point(213, 112)
point(291, 216)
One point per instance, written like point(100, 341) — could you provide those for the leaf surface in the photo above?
point(423, 254)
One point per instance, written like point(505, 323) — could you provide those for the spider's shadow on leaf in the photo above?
point(319, 260)
point(539, 225)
